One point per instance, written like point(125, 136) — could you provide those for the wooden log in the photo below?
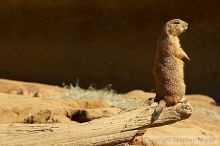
point(115, 130)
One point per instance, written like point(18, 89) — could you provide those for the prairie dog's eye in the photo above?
point(176, 22)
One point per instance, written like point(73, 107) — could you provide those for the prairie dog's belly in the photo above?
point(169, 77)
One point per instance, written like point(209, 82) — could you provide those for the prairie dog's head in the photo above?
point(175, 27)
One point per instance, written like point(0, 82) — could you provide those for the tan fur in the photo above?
point(168, 66)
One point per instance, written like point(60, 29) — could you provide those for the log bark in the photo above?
point(115, 130)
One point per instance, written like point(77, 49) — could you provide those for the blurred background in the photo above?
point(105, 42)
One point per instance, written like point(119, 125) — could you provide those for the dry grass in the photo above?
point(107, 94)
point(76, 92)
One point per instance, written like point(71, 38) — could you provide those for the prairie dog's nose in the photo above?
point(185, 26)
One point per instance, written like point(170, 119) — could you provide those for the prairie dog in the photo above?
point(169, 66)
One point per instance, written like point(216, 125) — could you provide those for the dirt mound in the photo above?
point(25, 109)
point(29, 89)
point(41, 117)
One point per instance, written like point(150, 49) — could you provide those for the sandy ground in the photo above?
point(35, 103)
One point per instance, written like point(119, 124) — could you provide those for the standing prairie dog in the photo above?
point(168, 67)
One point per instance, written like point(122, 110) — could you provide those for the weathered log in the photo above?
point(115, 130)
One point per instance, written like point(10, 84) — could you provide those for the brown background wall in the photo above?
point(106, 41)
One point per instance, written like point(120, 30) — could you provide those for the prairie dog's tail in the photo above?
point(158, 110)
